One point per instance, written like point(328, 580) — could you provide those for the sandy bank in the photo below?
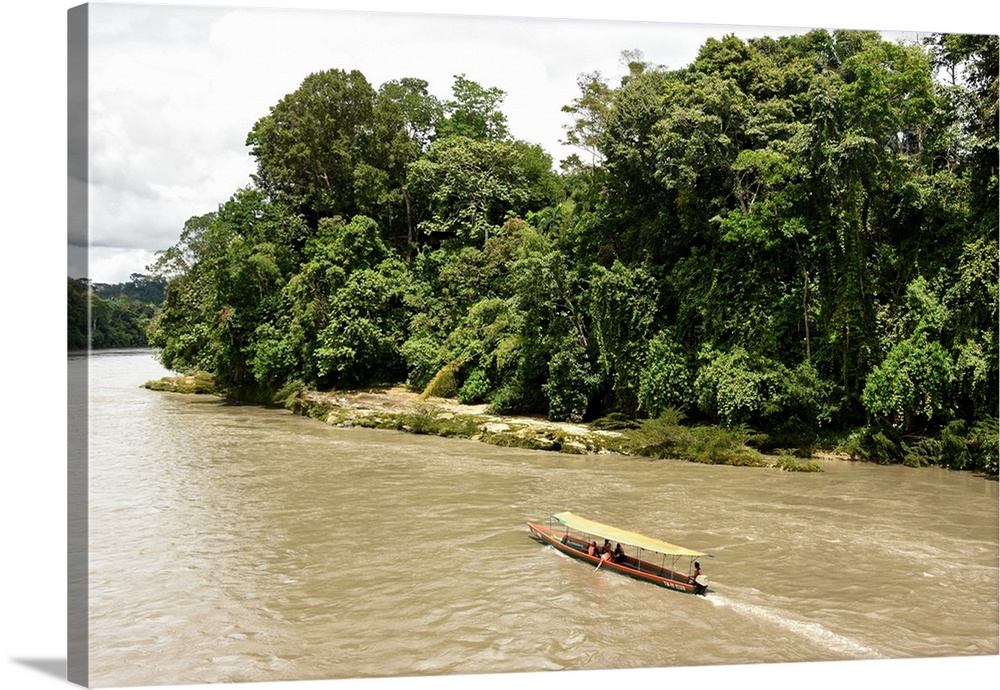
point(398, 408)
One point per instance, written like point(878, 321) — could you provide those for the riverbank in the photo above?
point(397, 408)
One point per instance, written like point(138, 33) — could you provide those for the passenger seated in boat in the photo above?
point(606, 553)
point(592, 549)
point(618, 552)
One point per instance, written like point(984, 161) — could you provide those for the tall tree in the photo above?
point(315, 148)
point(469, 186)
point(474, 111)
point(590, 112)
point(404, 121)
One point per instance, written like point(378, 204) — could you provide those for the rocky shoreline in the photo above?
point(397, 408)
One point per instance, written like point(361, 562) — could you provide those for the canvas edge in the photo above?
point(77, 629)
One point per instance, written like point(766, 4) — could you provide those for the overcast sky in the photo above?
point(174, 90)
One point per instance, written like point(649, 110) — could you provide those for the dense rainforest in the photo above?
point(793, 236)
point(101, 315)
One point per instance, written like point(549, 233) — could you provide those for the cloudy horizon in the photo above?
point(174, 90)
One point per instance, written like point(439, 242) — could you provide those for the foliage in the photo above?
point(287, 392)
point(789, 463)
point(444, 384)
point(422, 355)
point(738, 388)
point(77, 315)
point(475, 388)
point(314, 145)
point(792, 234)
point(141, 288)
point(668, 436)
point(666, 380)
point(622, 309)
point(470, 186)
point(473, 112)
point(118, 320)
point(570, 381)
point(910, 383)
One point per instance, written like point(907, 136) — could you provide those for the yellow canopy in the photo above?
point(619, 535)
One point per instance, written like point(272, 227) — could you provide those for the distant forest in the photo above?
point(793, 236)
point(111, 316)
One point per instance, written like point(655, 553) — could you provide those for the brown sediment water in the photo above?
point(238, 543)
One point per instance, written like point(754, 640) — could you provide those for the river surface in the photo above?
point(236, 543)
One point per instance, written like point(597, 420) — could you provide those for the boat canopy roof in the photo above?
point(622, 536)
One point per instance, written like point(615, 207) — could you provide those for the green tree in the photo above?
point(77, 314)
point(666, 380)
point(911, 383)
point(791, 233)
point(737, 387)
point(471, 186)
point(344, 312)
point(118, 322)
point(590, 113)
point(623, 308)
point(226, 278)
point(405, 117)
point(316, 148)
point(473, 112)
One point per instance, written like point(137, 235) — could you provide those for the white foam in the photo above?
point(815, 632)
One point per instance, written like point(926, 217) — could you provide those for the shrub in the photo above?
point(444, 384)
point(912, 381)
point(789, 463)
point(957, 446)
point(475, 389)
point(922, 452)
point(666, 436)
point(422, 361)
point(505, 400)
point(984, 445)
point(719, 446)
point(665, 433)
point(287, 391)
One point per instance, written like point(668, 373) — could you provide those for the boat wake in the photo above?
point(814, 632)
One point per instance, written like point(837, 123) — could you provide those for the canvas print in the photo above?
point(411, 345)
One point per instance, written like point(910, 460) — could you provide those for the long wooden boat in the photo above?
point(644, 558)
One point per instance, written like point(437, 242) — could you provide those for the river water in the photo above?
point(236, 543)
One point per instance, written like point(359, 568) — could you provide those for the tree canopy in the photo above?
point(797, 234)
point(101, 315)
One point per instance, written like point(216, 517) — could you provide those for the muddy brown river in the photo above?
point(237, 543)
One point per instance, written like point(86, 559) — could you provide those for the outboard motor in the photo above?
point(701, 585)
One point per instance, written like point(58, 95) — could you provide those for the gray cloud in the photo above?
point(175, 89)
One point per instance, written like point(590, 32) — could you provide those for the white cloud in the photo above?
point(118, 262)
point(174, 89)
